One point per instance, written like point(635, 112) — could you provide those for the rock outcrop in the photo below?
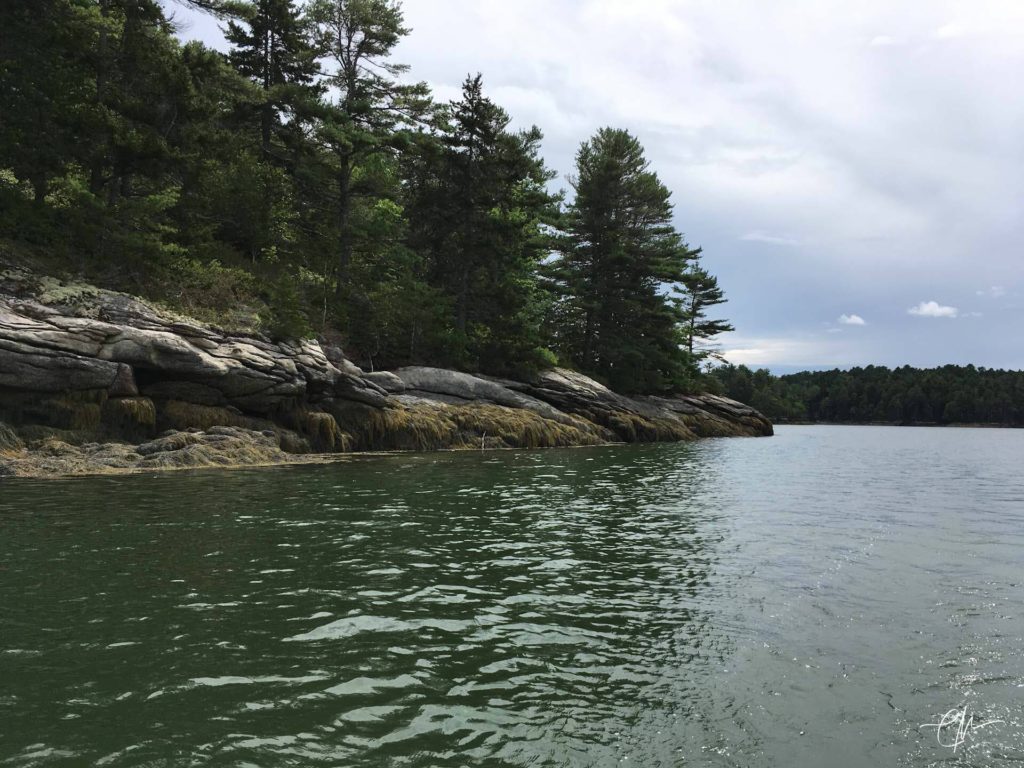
point(93, 380)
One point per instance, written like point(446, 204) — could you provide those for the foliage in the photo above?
point(948, 395)
point(699, 292)
point(373, 107)
point(303, 184)
point(620, 258)
point(477, 206)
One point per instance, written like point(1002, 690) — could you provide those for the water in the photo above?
point(806, 600)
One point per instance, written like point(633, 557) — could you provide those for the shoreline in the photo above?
point(31, 472)
point(95, 382)
point(923, 425)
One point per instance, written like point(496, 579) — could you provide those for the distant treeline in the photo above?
point(303, 183)
point(951, 394)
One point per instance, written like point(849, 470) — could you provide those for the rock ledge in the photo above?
point(98, 381)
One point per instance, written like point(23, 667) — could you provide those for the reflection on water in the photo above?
point(805, 600)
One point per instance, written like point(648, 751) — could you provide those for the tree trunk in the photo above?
point(267, 108)
point(461, 302)
point(39, 187)
point(588, 341)
point(344, 224)
point(102, 51)
point(266, 117)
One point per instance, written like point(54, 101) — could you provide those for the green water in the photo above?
point(806, 600)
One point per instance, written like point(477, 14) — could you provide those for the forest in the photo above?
point(951, 394)
point(304, 184)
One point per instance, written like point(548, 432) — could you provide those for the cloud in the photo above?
point(932, 309)
point(996, 292)
point(882, 41)
point(950, 31)
point(760, 236)
point(800, 350)
point(852, 320)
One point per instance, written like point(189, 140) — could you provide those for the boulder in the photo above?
point(386, 380)
point(427, 382)
point(44, 369)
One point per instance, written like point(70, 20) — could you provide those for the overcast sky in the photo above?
point(853, 171)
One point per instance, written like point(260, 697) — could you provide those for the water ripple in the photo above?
point(806, 600)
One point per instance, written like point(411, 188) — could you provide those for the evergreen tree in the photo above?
point(45, 86)
point(621, 256)
point(102, 82)
point(478, 206)
point(951, 394)
point(271, 47)
point(372, 107)
point(700, 292)
point(259, 188)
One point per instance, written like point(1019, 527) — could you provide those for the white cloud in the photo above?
point(996, 292)
point(785, 350)
point(932, 309)
point(760, 236)
point(882, 41)
point(852, 320)
point(950, 31)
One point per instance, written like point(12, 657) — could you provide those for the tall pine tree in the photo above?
point(478, 209)
point(372, 105)
point(620, 257)
point(271, 47)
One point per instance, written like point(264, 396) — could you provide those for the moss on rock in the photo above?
point(319, 429)
point(177, 414)
point(133, 418)
point(10, 443)
point(432, 426)
point(76, 411)
point(323, 432)
point(516, 428)
point(218, 446)
point(395, 428)
point(635, 428)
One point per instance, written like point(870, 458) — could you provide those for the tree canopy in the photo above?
point(951, 394)
point(621, 257)
point(304, 183)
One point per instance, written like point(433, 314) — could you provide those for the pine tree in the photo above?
point(372, 107)
point(45, 88)
point(700, 292)
point(621, 254)
point(271, 47)
point(478, 206)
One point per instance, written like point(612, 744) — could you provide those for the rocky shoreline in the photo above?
point(94, 381)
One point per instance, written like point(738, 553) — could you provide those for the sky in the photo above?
point(853, 171)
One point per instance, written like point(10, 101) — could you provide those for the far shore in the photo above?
point(957, 425)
